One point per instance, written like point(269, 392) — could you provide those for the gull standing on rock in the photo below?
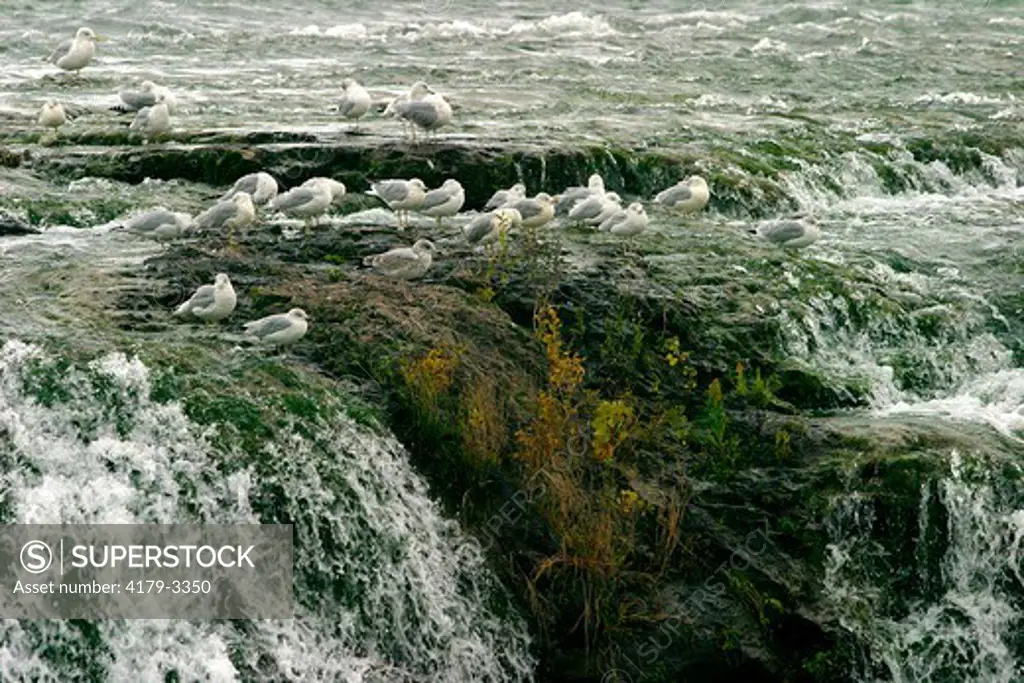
point(689, 195)
point(145, 96)
point(792, 233)
point(52, 115)
point(237, 212)
point(76, 53)
point(280, 329)
point(307, 201)
point(355, 101)
point(401, 196)
point(404, 263)
point(628, 223)
point(423, 109)
point(211, 303)
point(262, 187)
point(537, 211)
point(597, 206)
point(152, 121)
point(491, 227)
point(443, 202)
point(595, 185)
point(504, 197)
point(159, 224)
point(336, 189)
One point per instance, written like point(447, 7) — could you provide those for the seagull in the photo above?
point(404, 263)
point(400, 196)
point(491, 227)
point(145, 96)
point(423, 109)
point(211, 303)
point(444, 201)
point(153, 120)
point(689, 195)
point(628, 223)
point(308, 201)
point(75, 53)
point(595, 206)
point(280, 329)
point(504, 197)
point(595, 185)
point(159, 224)
point(237, 212)
point(792, 233)
point(337, 189)
point(53, 115)
point(537, 211)
point(262, 187)
point(355, 101)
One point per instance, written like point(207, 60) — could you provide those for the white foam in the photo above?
point(106, 452)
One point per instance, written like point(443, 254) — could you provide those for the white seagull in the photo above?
point(75, 53)
point(355, 101)
point(424, 109)
point(308, 201)
point(401, 196)
point(689, 195)
point(145, 96)
point(628, 223)
point(211, 303)
point(536, 211)
point(237, 212)
point(404, 263)
point(52, 115)
point(491, 227)
point(790, 233)
point(336, 188)
point(159, 224)
point(153, 120)
point(504, 197)
point(568, 199)
point(443, 202)
point(596, 207)
point(280, 329)
point(262, 187)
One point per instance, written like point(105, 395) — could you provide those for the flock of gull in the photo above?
point(420, 109)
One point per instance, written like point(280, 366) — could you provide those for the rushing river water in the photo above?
point(717, 78)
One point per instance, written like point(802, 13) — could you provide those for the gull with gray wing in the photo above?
point(401, 196)
point(262, 187)
point(535, 211)
point(76, 53)
point(790, 233)
point(491, 227)
point(211, 303)
point(280, 329)
point(155, 120)
point(308, 201)
point(355, 101)
point(443, 202)
point(424, 109)
point(567, 200)
point(159, 224)
point(688, 196)
point(237, 212)
point(504, 197)
point(404, 263)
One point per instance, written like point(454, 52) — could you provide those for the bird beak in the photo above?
point(101, 39)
